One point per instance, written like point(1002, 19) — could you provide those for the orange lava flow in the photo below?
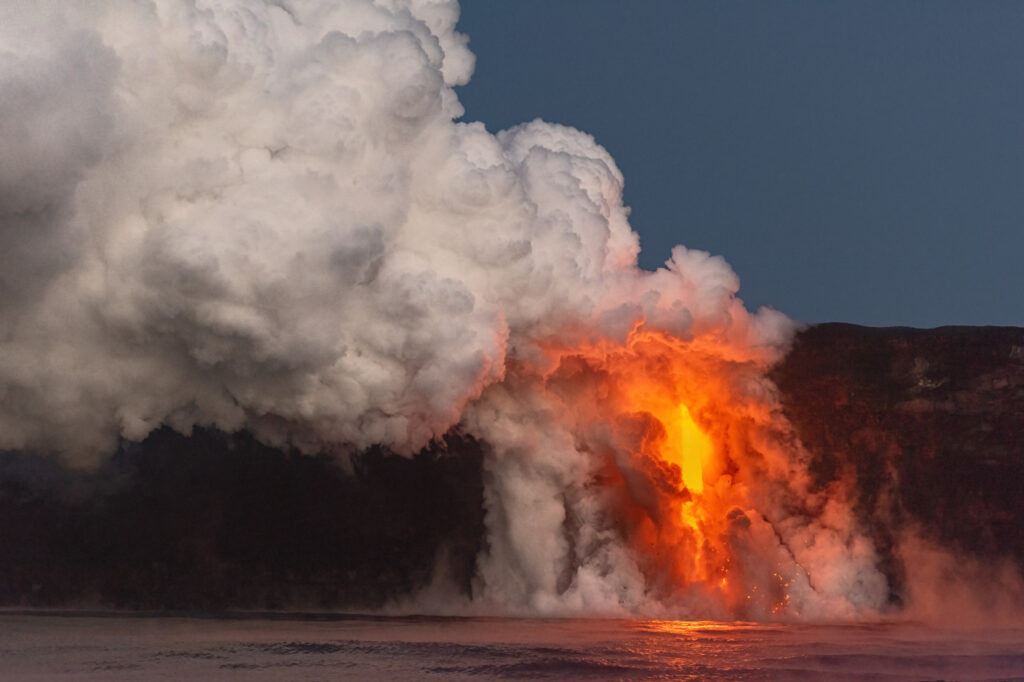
point(674, 425)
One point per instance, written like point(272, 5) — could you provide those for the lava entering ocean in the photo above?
point(697, 472)
point(687, 490)
point(266, 216)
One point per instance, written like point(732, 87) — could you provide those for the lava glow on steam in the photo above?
point(689, 446)
point(241, 216)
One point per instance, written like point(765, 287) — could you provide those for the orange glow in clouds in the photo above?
point(678, 462)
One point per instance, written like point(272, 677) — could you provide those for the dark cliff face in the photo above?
point(930, 424)
point(215, 521)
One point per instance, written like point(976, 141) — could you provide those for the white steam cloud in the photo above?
point(264, 215)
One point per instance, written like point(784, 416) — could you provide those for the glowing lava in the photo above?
point(679, 462)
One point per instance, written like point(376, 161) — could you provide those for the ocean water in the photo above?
point(65, 646)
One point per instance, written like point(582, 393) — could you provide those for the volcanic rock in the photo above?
point(927, 424)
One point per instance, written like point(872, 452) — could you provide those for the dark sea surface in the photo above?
point(93, 646)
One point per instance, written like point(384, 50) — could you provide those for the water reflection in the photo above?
point(325, 646)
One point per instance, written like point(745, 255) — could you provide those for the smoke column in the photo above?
point(266, 215)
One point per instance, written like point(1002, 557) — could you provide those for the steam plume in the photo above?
point(265, 215)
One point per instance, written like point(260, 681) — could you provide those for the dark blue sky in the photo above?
point(854, 161)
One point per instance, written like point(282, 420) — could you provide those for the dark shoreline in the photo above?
point(928, 423)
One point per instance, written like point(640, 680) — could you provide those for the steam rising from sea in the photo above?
point(266, 216)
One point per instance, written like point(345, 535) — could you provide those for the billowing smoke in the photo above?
point(266, 215)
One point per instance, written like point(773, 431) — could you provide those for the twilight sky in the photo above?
point(853, 161)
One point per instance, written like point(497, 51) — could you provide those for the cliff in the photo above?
point(214, 521)
point(929, 424)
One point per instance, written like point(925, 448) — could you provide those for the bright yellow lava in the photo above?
point(685, 443)
point(696, 450)
point(687, 446)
